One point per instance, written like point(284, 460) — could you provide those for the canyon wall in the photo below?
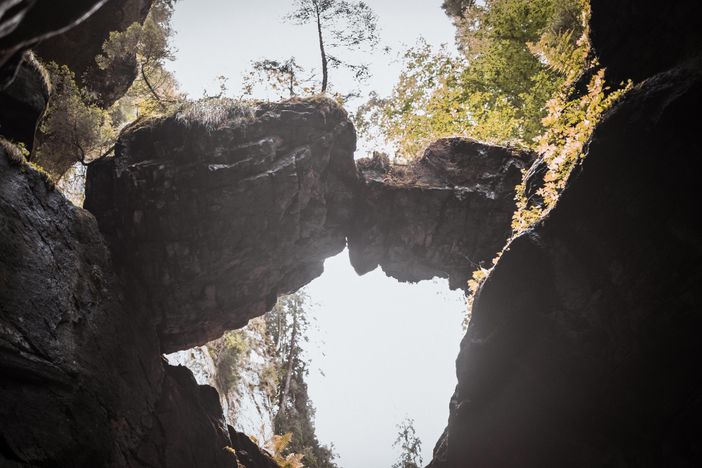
point(582, 349)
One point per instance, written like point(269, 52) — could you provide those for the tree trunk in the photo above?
point(288, 376)
point(325, 71)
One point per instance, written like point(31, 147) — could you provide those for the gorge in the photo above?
point(582, 345)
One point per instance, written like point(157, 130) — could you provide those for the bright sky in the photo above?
point(387, 349)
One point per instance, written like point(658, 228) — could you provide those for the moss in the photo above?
point(17, 154)
point(35, 64)
point(213, 113)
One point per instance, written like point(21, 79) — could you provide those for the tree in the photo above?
point(71, 129)
point(74, 128)
point(287, 326)
point(155, 89)
point(409, 444)
point(350, 25)
point(456, 8)
point(283, 77)
point(515, 56)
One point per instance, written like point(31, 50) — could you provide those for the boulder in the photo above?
point(442, 216)
point(217, 210)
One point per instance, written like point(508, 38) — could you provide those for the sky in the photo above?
point(386, 351)
point(382, 350)
point(222, 37)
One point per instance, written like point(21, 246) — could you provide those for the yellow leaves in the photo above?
point(569, 125)
point(278, 445)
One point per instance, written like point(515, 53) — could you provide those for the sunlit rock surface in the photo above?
point(443, 216)
point(246, 406)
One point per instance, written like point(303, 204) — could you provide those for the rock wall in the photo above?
point(79, 46)
point(24, 23)
point(23, 102)
point(582, 350)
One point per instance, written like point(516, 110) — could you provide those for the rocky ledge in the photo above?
point(443, 215)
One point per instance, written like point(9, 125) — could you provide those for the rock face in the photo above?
point(583, 348)
point(79, 46)
point(23, 23)
point(23, 103)
point(442, 216)
point(80, 360)
point(69, 386)
point(637, 39)
point(215, 220)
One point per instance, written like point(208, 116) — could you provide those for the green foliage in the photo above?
point(229, 354)
point(74, 128)
point(516, 55)
point(409, 444)
point(71, 130)
point(287, 326)
point(279, 450)
point(569, 125)
point(277, 337)
point(155, 90)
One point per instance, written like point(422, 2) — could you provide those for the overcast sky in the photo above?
point(387, 349)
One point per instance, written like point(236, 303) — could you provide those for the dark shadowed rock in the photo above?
point(218, 210)
point(583, 347)
point(23, 23)
point(79, 46)
point(248, 453)
point(442, 216)
point(22, 103)
point(77, 364)
point(635, 39)
point(190, 430)
point(83, 381)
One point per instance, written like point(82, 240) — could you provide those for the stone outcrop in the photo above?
point(79, 46)
point(441, 216)
point(24, 23)
point(582, 350)
point(217, 218)
point(72, 389)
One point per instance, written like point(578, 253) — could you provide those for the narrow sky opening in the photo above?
point(381, 351)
